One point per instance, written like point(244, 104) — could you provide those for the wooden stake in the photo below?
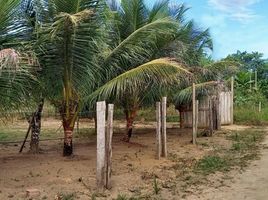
point(158, 130)
point(164, 128)
point(109, 136)
point(232, 100)
point(194, 115)
point(210, 118)
point(101, 157)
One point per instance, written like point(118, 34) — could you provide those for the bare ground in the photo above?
point(133, 171)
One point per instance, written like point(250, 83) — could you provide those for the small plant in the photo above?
point(156, 187)
point(121, 197)
point(210, 164)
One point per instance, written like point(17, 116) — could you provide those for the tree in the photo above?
point(156, 32)
point(251, 63)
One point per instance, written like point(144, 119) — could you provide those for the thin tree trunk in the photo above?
point(68, 139)
point(130, 116)
point(68, 122)
point(36, 128)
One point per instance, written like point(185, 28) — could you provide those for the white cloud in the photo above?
point(236, 9)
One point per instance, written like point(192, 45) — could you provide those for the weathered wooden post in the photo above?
point(109, 136)
point(260, 106)
point(194, 115)
point(211, 127)
point(158, 130)
point(232, 100)
point(163, 126)
point(101, 151)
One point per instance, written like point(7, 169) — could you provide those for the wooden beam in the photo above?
point(158, 130)
point(232, 100)
point(194, 134)
point(163, 126)
point(101, 153)
point(109, 136)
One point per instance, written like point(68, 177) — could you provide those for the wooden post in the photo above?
point(158, 130)
point(194, 115)
point(163, 126)
point(101, 157)
point(211, 128)
point(259, 106)
point(218, 113)
point(109, 136)
point(232, 100)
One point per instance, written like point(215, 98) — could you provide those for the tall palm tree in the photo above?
point(184, 42)
point(139, 35)
point(77, 56)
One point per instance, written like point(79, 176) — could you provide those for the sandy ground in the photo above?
point(250, 184)
point(134, 166)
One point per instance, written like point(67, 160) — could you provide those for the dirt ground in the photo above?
point(133, 171)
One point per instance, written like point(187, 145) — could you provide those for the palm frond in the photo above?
point(161, 72)
point(184, 97)
point(139, 46)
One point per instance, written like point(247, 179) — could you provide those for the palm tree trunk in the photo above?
point(36, 128)
point(68, 121)
point(68, 139)
point(130, 116)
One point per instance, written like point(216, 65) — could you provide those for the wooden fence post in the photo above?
point(218, 113)
point(158, 130)
point(194, 115)
point(101, 154)
point(109, 136)
point(211, 127)
point(163, 126)
point(232, 100)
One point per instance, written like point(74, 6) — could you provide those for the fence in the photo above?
point(225, 108)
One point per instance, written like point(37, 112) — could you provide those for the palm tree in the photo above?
point(68, 44)
point(77, 56)
point(139, 35)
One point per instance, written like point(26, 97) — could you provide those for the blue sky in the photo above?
point(234, 24)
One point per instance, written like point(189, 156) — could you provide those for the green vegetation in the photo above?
point(249, 115)
point(210, 164)
point(244, 147)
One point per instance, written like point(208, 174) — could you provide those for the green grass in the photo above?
point(17, 134)
point(211, 164)
point(245, 147)
point(249, 115)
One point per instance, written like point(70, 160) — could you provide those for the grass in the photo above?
point(211, 164)
point(244, 147)
point(249, 115)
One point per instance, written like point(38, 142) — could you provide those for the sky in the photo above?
point(234, 24)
